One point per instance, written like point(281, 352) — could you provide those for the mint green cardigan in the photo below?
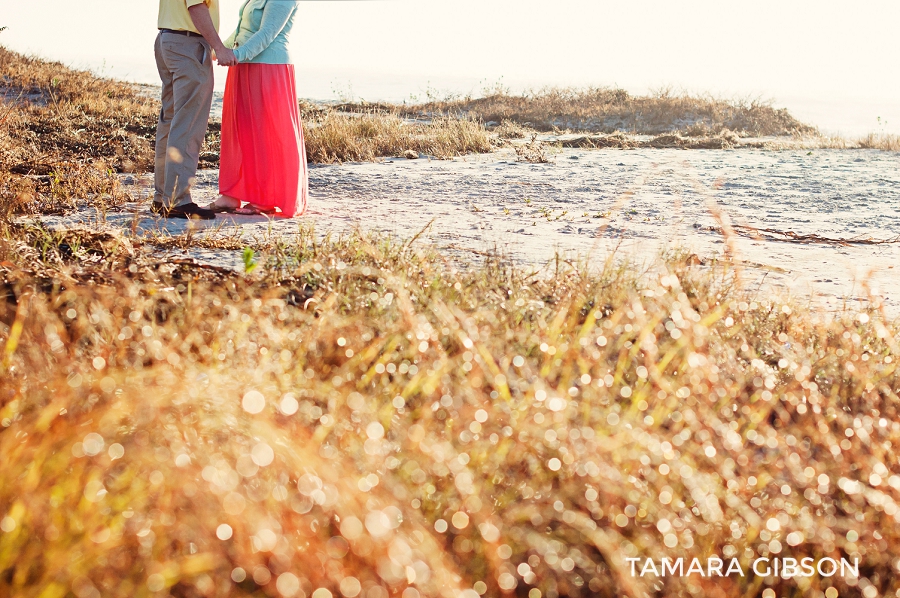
point(263, 31)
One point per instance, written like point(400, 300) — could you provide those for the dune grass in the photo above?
point(877, 141)
point(610, 110)
point(336, 137)
point(873, 141)
point(64, 133)
point(357, 418)
point(52, 114)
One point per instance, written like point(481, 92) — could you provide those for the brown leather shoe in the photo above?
point(188, 211)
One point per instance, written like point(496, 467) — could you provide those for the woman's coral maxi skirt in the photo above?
point(263, 158)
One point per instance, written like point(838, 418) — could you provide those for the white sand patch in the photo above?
point(591, 202)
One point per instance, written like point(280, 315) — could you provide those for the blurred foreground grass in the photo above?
point(357, 418)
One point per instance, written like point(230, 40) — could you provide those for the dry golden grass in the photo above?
point(337, 137)
point(724, 140)
point(607, 110)
point(63, 134)
point(55, 114)
point(880, 141)
point(877, 141)
point(357, 417)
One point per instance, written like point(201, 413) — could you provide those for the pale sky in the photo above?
point(828, 60)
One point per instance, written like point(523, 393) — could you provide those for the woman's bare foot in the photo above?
point(260, 209)
point(254, 210)
point(224, 202)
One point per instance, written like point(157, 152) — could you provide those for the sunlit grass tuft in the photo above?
point(880, 141)
point(338, 137)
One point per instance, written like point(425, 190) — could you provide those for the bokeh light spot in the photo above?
point(287, 585)
point(224, 532)
point(253, 402)
point(350, 587)
point(262, 454)
point(460, 520)
point(289, 405)
point(92, 444)
point(116, 451)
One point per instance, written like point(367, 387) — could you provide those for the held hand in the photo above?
point(226, 57)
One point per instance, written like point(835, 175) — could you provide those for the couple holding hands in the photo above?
point(263, 159)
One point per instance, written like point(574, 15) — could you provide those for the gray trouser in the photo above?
point(186, 69)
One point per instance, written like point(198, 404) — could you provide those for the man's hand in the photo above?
point(203, 22)
point(226, 57)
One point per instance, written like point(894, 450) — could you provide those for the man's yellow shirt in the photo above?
point(173, 14)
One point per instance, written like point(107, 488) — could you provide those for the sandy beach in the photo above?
point(588, 203)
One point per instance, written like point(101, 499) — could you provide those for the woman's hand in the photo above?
point(226, 57)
